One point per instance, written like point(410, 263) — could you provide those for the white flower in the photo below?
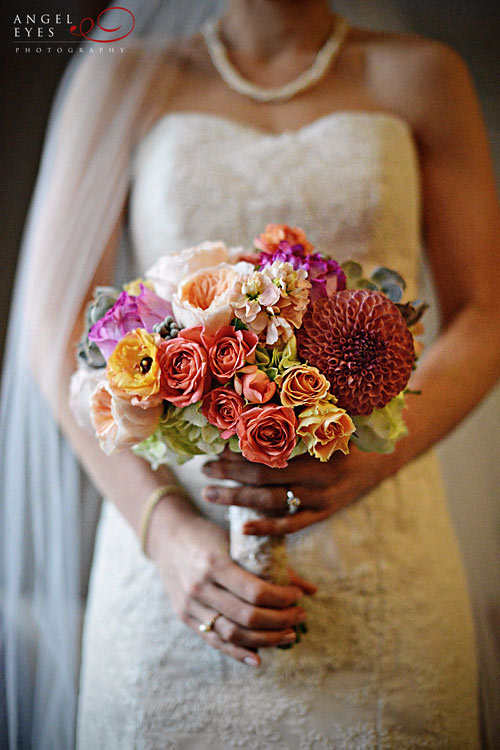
point(82, 385)
point(168, 272)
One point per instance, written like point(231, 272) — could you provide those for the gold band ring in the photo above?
point(206, 627)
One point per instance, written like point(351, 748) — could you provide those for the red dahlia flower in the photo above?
point(360, 341)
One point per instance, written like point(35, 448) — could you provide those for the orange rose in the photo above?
point(267, 435)
point(222, 408)
point(230, 350)
point(302, 386)
point(325, 428)
point(185, 377)
point(273, 234)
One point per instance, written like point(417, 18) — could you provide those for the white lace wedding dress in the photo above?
point(388, 661)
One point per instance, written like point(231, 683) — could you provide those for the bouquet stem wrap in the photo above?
point(264, 556)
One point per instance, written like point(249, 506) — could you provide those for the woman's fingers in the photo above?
point(231, 632)
point(247, 472)
point(213, 639)
point(252, 589)
point(266, 498)
point(285, 524)
point(248, 615)
point(306, 586)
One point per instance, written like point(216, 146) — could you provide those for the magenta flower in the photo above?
point(325, 274)
point(127, 314)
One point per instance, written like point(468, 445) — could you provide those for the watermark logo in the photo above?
point(81, 31)
point(58, 33)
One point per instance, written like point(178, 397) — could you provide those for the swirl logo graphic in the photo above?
point(84, 29)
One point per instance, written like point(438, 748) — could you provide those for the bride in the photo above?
point(365, 140)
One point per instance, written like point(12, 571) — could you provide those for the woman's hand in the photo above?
point(202, 581)
point(323, 487)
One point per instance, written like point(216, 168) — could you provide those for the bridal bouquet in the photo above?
point(272, 352)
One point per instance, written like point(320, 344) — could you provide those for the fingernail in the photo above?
point(211, 493)
point(252, 661)
point(290, 638)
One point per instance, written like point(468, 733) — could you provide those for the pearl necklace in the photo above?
point(323, 60)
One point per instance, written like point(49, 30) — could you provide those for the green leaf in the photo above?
point(238, 325)
point(412, 312)
point(353, 272)
point(366, 284)
point(234, 444)
point(393, 291)
point(384, 276)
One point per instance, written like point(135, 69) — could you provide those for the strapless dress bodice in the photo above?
point(350, 179)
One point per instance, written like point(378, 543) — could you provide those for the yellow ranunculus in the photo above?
point(325, 428)
point(134, 287)
point(133, 369)
point(302, 386)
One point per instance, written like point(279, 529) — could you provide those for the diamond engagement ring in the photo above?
point(206, 627)
point(292, 501)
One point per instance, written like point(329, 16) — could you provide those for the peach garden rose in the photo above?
point(169, 270)
point(203, 298)
point(117, 423)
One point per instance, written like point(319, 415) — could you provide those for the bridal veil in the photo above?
point(98, 114)
point(81, 188)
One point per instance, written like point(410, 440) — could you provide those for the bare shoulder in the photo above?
point(409, 53)
point(423, 79)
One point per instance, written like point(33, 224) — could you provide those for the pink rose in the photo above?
point(230, 350)
point(255, 385)
point(222, 408)
point(128, 313)
point(267, 434)
point(183, 361)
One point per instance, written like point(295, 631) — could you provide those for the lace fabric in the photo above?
point(381, 665)
point(388, 661)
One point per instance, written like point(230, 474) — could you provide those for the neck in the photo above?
point(265, 28)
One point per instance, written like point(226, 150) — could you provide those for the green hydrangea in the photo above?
point(379, 432)
point(181, 434)
point(274, 362)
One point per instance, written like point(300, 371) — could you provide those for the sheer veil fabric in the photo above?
point(98, 115)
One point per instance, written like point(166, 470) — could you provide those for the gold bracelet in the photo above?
point(151, 504)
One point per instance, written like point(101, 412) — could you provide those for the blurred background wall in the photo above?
point(470, 455)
